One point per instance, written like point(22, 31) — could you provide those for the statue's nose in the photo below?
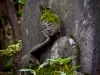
point(49, 31)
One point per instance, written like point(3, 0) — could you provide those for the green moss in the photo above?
point(48, 70)
point(12, 49)
point(48, 15)
point(58, 66)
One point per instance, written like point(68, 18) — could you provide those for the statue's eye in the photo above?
point(43, 26)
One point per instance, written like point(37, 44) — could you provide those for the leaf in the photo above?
point(22, 1)
point(53, 61)
point(30, 70)
point(25, 69)
point(60, 60)
point(33, 72)
point(75, 73)
point(66, 60)
point(41, 66)
point(61, 73)
point(75, 67)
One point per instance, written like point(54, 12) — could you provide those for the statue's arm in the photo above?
point(38, 47)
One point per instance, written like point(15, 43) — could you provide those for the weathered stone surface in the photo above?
point(31, 25)
point(80, 18)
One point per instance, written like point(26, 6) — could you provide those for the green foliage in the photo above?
point(9, 63)
point(19, 4)
point(61, 61)
point(30, 70)
point(19, 14)
point(20, 1)
point(9, 66)
point(41, 66)
point(54, 67)
point(5, 17)
point(48, 15)
point(12, 49)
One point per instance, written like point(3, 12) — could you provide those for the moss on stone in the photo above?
point(48, 15)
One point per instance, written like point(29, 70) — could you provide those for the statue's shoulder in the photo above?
point(63, 46)
point(65, 41)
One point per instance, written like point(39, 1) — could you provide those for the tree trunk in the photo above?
point(15, 29)
point(13, 19)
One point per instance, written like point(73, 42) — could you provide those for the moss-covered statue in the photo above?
point(54, 46)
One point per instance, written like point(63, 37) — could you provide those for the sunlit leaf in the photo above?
point(42, 65)
point(60, 72)
point(25, 69)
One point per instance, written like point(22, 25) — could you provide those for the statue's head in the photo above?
point(50, 22)
point(49, 28)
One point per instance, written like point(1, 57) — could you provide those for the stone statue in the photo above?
point(54, 46)
point(59, 46)
point(62, 47)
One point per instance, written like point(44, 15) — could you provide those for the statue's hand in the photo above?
point(39, 46)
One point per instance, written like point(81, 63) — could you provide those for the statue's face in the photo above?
point(49, 28)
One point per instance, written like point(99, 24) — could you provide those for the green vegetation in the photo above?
point(54, 67)
point(48, 15)
point(8, 54)
point(12, 49)
point(20, 4)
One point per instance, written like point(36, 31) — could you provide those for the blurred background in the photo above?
point(10, 33)
point(10, 21)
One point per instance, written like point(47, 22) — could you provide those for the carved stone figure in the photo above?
point(59, 46)
point(62, 47)
point(56, 45)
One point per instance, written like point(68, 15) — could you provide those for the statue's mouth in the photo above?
point(49, 32)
